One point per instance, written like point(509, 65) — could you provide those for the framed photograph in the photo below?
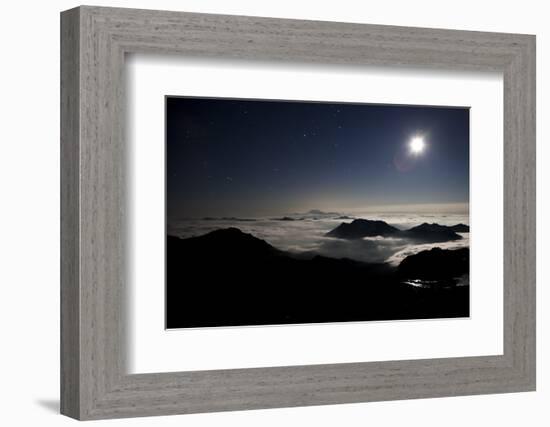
point(244, 183)
point(263, 213)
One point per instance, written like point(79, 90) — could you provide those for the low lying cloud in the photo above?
point(411, 249)
point(366, 250)
point(307, 235)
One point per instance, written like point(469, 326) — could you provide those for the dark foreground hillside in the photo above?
point(230, 278)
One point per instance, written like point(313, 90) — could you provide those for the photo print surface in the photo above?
point(297, 212)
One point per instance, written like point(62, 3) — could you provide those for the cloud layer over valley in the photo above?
point(304, 233)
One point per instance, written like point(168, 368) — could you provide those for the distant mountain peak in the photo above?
point(461, 228)
point(360, 228)
point(425, 232)
point(285, 218)
point(431, 233)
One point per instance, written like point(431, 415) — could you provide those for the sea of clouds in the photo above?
point(305, 234)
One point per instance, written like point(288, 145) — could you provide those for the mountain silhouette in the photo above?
point(227, 242)
point(435, 264)
point(460, 228)
point(320, 212)
point(286, 218)
point(230, 278)
point(431, 233)
point(424, 233)
point(360, 228)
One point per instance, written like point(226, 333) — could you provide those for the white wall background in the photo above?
point(29, 213)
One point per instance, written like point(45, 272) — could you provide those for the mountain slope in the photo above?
point(436, 264)
point(230, 278)
point(360, 228)
point(460, 228)
point(424, 233)
point(431, 233)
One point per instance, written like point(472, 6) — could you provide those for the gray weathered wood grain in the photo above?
point(70, 332)
point(94, 381)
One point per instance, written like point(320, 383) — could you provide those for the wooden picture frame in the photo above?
point(94, 382)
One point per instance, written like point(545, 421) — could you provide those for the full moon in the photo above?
point(417, 145)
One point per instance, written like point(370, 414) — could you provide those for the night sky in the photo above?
point(247, 158)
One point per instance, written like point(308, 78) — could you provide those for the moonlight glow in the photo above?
point(417, 145)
